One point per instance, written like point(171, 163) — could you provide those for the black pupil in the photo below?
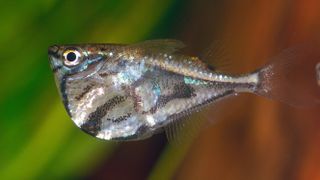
point(71, 56)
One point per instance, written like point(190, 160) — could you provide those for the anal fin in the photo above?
point(184, 130)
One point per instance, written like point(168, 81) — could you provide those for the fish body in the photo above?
point(130, 92)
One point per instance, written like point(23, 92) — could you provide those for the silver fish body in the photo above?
point(130, 92)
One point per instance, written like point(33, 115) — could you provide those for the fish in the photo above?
point(125, 92)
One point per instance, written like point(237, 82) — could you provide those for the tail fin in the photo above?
point(291, 77)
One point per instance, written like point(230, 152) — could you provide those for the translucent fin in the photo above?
point(318, 73)
point(183, 129)
point(160, 45)
point(291, 78)
point(217, 56)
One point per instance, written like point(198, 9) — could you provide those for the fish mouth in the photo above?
point(52, 50)
point(53, 56)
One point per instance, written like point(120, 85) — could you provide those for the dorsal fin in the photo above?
point(217, 56)
point(159, 46)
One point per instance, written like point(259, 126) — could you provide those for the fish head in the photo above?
point(93, 94)
point(72, 59)
point(71, 63)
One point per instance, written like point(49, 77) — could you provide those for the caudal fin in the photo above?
point(291, 77)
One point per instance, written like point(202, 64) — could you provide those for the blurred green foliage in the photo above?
point(37, 138)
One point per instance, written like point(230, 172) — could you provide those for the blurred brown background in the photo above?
point(258, 138)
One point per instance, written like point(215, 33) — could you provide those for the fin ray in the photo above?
point(181, 130)
point(160, 45)
point(290, 77)
point(217, 56)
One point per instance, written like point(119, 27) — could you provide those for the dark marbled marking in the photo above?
point(65, 99)
point(55, 69)
point(93, 125)
point(183, 90)
point(84, 92)
point(180, 91)
point(105, 74)
point(102, 110)
point(197, 107)
point(120, 119)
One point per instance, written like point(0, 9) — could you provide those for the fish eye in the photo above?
point(71, 57)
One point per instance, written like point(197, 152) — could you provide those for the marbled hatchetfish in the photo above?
point(130, 92)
